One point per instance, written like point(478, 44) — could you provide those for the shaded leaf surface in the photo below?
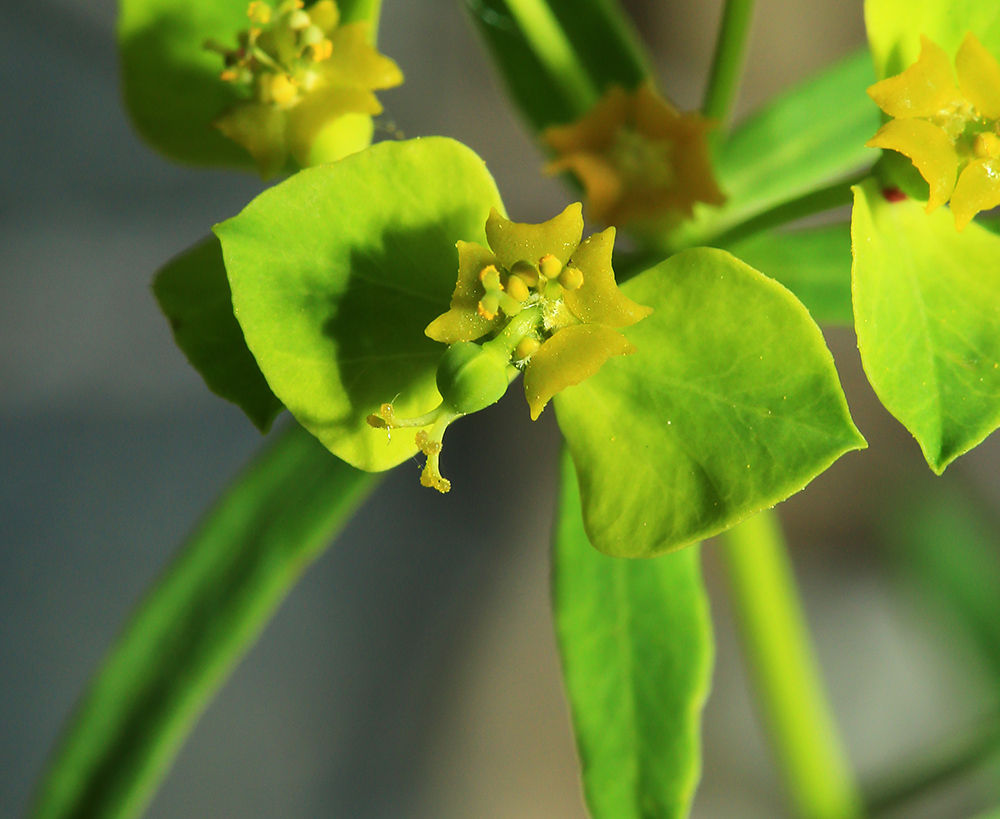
point(636, 643)
point(193, 293)
point(335, 275)
point(730, 404)
point(927, 313)
point(194, 625)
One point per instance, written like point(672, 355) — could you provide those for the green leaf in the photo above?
point(636, 644)
point(193, 293)
point(791, 147)
point(170, 81)
point(927, 313)
point(337, 271)
point(557, 57)
point(894, 28)
point(815, 264)
point(194, 625)
point(730, 404)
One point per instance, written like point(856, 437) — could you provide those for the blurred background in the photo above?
point(413, 672)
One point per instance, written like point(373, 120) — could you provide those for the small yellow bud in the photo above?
point(571, 278)
point(553, 290)
point(322, 50)
point(298, 20)
point(325, 15)
point(549, 266)
point(282, 89)
point(517, 288)
point(525, 347)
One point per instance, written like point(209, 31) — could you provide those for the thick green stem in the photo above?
point(780, 657)
point(727, 63)
point(553, 48)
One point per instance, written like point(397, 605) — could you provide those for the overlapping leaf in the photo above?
point(730, 404)
point(336, 272)
point(636, 643)
point(193, 292)
point(927, 312)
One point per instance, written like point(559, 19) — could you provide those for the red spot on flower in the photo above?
point(893, 195)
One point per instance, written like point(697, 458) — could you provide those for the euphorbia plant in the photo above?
point(381, 293)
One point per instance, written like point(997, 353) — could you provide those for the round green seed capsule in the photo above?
point(470, 378)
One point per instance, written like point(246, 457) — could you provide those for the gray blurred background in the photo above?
point(413, 672)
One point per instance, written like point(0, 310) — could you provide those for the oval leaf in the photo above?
point(927, 313)
point(193, 293)
point(636, 643)
point(730, 404)
point(335, 275)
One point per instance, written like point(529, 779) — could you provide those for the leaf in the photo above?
point(170, 81)
point(193, 293)
point(927, 313)
point(337, 271)
point(730, 404)
point(195, 624)
point(814, 263)
point(894, 29)
point(597, 33)
point(636, 644)
point(791, 147)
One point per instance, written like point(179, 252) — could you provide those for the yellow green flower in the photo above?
point(547, 304)
point(308, 82)
point(637, 157)
point(949, 130)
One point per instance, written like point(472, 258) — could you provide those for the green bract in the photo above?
point(927, 311)
point(731, 404)
point(335, 274)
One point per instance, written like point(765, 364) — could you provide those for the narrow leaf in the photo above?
point(194, 625)
point(815, 264)
point(927, 313)
point(792, 146)
point(193, 293)
point(730, 404)
point(636, 644)
point(336, 273)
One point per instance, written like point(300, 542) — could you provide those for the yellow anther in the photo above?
point(282, 89)
point(525, 271)
point(517, 288)
point(229, 75)
point(987, 145)
point(259, 12)
point(525, 347)
point(571, 278)
point(433, 480)
point(490, 277)
point(426, 444)
point(322, 50)
point(488, 306)
point(549, 266)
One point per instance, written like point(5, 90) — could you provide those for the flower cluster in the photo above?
point(637, 157)
point(547, 304)
point(308, 81)
point(950, 131)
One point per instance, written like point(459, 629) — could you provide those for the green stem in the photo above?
point(948, 761)
point(780, 656)
point(552, 47)
point(727, 62)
